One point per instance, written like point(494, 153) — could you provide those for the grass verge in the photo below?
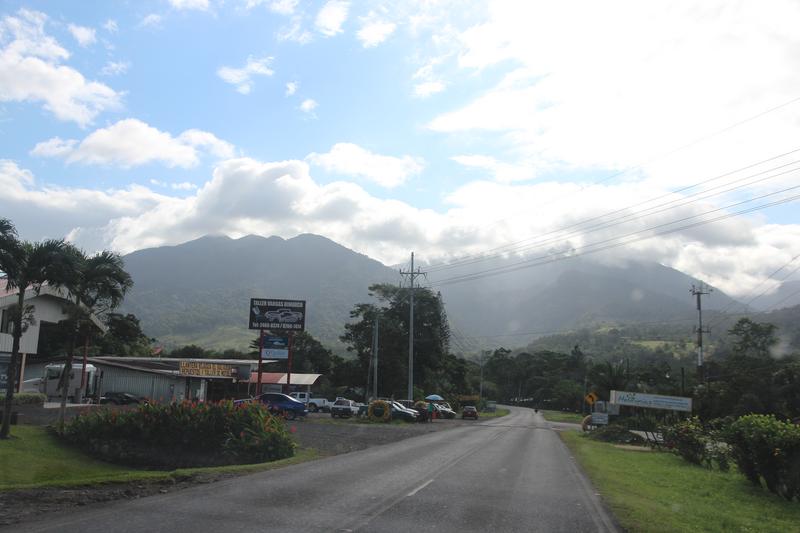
point(33, 458)
point(660, 492)
point(497, 413)
point(561, 416)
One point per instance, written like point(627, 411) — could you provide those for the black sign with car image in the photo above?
point(277, 315)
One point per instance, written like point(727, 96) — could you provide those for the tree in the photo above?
point(753, 339)
point(124, 336)
point(608, 376)
point(26, 266)
point(431, 339)
point(96, 286)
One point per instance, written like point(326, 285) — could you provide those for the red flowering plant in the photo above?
point(182, 434)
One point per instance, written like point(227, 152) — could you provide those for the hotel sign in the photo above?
point(651, 401)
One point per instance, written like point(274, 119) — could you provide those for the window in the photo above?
point(6, 325)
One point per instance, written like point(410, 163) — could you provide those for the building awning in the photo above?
point(279, 378)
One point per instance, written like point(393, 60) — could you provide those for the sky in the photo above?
point(666, 131)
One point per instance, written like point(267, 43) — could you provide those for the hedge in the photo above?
point(182, 434)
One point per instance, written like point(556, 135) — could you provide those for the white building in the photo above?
point(49, 307)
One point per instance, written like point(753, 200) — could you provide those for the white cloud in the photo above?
point(295, 32)
point(352, 160)
point(242, 77)
point(291, 88)
point(374, 30)
point(85, 36)
point(503, 172)
point(31, 71)
point(282, 7)
point(244, 196)
point(308, 106)
point(111, 26)
point(114, 68)
point(182, 186)
point(131, 143)
point(153, 20)
point(331, 17)
point(201, 5)
point(577, 95)
point(55, 147)
point(428, 88)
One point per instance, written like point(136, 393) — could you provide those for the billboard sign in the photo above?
point(652, 401)
point(275, 347)
point(277, 315)
point(205, 369)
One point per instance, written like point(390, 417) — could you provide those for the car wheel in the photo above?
point(289, 415)
point(333, 415)
point(313, 407)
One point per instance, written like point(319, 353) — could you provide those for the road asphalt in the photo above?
point(507, 474)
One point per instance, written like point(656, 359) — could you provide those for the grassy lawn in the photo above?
point(497, 412)
point(561, 416)
point(33, 458)
point(660, 492)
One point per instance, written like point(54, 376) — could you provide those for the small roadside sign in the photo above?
point(275, 347)
point(600, 419)
point(591, 398)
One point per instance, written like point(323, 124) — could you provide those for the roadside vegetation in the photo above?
point(659, 492)
point(562, 416)
point(49, 463)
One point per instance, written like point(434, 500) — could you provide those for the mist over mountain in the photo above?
point(198, 292)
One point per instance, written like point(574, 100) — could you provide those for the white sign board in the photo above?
point(599, 419)
point(651, 401)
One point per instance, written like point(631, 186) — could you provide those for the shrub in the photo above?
point(617, 434)
point(769, 449)
point(182, 434)
point(29, 398)
point(698, 444)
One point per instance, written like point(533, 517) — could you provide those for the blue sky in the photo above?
point(445, 127)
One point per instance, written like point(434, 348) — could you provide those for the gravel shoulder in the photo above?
point(319, 432)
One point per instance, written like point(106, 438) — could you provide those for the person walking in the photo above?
point(431, 411)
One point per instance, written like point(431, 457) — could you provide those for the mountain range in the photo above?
point(198, 292)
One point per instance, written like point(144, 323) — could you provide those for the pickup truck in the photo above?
point(312, 404)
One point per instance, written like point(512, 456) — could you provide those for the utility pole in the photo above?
point(480, 391)
point(375, 357)
point(411, 275)
point(698, 292)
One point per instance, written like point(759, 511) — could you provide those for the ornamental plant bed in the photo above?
point(181, 435)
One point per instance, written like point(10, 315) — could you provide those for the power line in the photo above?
point(515, 246)
point(671, 152)
point(541, 260)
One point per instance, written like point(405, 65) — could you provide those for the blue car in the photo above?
point(282, 404)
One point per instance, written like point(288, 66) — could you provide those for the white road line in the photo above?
point(420, 487)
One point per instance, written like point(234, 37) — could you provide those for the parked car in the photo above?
point(469, 411)
point(281, 404)
point(119, 398)
point(313, 404)
point(444, 412)
point(344, 408)
point(399, 412)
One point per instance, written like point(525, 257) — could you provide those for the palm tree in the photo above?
point(26, 266)
point(608, 376)
point(97, 285)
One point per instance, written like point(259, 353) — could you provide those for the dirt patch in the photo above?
point(319, 432)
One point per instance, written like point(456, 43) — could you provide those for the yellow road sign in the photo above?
point(591, 398)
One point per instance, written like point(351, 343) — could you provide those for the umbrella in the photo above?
point(434, 398)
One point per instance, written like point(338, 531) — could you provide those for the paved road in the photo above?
point(508, 474)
